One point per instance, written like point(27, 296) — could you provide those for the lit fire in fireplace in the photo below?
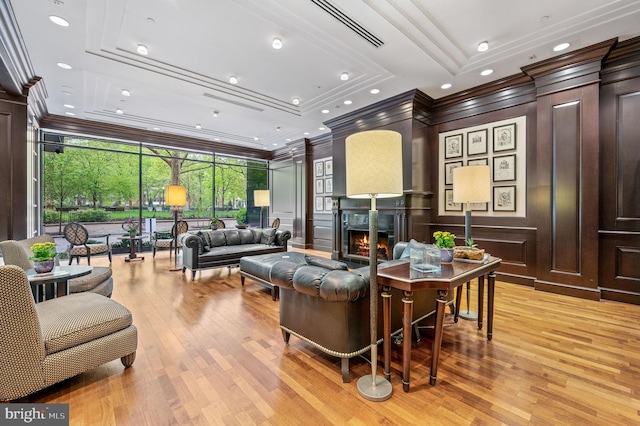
point(359, 244)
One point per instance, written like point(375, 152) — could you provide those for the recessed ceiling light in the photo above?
point(295, 101)
point(69, 106)
point(233, 79)
point(560, 47)
point(64, 66)
point(325, 111)
point(142, 49)
point(59, 21)
point(446, 86)
point(69, 113)
point(483, 46)
point(156, 128)
point(306, 133)
point(119, 111)
point(198, 126)
point(277, 43)
point(321, 128)
point(255, 138)
point(288, 139)
point(216, 139)
point(348, 102)
point(486, 72)
point(374, 91)
point(274, 144)
point(125, 92)
point(344, 76)
point(215, 113)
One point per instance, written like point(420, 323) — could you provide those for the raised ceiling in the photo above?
point(196, 45)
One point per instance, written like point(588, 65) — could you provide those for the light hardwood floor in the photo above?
point(211, 352)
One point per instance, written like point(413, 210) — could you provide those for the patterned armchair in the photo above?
point(78, 237)
point(49, 342)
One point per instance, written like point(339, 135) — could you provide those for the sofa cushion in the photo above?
point(406, 253)
point(98, 275)
point(257, 235)
point(232, 236)
point(217, 239)
point(204, 237)
point(268, 236)
point(246, 236)
point(79, 318)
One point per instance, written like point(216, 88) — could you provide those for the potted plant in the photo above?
point(214, 223)
point(469, 251)
point(445, 241)
point(241, 218)
point(43, 257)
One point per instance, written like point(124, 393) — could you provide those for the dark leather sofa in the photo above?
point(225, 247)
point(324, 304)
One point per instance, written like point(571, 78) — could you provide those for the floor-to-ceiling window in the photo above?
point(112, 182)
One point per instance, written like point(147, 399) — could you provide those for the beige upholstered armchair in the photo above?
point(162, 240)
point(18, 253)
point(49, 342)
point(78, 237)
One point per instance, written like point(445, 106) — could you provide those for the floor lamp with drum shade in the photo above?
point(471, 184)
point(176, 196)
point(373, 162)
point(261, 199)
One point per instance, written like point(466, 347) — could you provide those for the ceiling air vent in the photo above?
point(350, 23)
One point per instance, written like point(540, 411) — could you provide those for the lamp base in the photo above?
point(468, 315)
point(381, 391)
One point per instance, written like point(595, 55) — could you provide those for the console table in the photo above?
point(452, 275)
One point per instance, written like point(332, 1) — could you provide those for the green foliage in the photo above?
point(241, 216)
point(444, 240)
point(470, 243)
point(43, 251)
point(50, 216)
point(97, 215)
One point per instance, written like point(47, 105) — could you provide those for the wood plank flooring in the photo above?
point(211, 352)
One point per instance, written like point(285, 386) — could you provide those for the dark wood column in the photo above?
point(568, 171)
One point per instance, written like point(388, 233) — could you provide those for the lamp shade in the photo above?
point(471, 184)
point(374, 164)
point(175, 195)
point(261, 197)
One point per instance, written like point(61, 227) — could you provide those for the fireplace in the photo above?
point(355, 236)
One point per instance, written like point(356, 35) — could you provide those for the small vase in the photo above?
point(43, 266)
point(446, 255)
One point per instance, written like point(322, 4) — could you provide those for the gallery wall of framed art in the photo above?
point(323, 184)
point(502, 146)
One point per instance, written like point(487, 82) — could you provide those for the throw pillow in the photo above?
point(268, 236)
point(204, 241)
point(406, 253)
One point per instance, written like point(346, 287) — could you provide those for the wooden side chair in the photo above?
point(77, 236)
point(164, 240)
point(276, 223)
point(221, 224)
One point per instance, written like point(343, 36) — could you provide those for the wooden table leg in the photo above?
point(386, 343)
point(407, 314)
point(490, 297)
point(456, 316)
point(480, 300)
point(438, 329)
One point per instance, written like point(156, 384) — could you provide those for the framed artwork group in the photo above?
point(323, 172)
point(494, 145)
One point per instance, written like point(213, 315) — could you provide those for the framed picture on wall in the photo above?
point(319, 204)
point(328, 204)
point(453, 146)
point(448, 171)
point(319, 168)
point(477, 142)
point(504, 198)
point(319, 186)
point(478, 162)
point(449, 205)
point(328, 185)
point(328, 167)
point(504, 168)
point(504, 137)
